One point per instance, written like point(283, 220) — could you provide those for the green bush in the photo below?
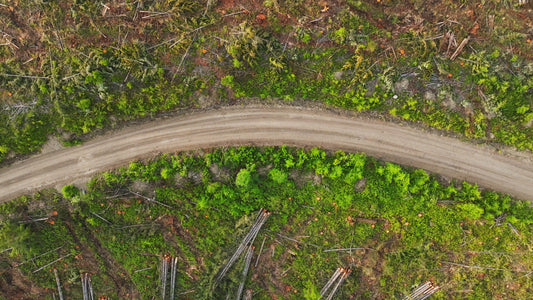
point(70, 192)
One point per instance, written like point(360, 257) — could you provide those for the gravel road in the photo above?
point(273, 126)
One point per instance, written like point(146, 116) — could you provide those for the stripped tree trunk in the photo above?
point(168, 265)
point(163, 274)
point(248, 240)
point(423, 291)
point(173, 268)
point(87, 287)
point(345, 274)
point(336, 281)
point(84, 288)
point(58, 285)
point(330, 281)
point(247, 261)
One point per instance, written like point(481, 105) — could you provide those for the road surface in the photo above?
point(273, 126)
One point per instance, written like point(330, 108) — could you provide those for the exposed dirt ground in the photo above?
point(275, 126)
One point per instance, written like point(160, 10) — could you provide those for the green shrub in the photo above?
point(70, 192)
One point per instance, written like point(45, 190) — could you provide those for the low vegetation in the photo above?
point(68, 68)
point(395, 229)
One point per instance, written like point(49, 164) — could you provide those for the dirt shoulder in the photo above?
point(274, 126)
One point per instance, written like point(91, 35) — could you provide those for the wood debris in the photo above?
point(87, 287)
point(423, 291)
point(58, 285)
point(459, 48)
point(335, 281)
point(248, 240)
point(168, 267)
point(247, 261)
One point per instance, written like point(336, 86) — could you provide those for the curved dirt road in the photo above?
point(273, 126)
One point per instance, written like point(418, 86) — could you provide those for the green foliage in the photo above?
point(70, 192)
point(13, 235)
point(245, 44)
point(469, 193)
point(310, 291)
point(394, 174)
point(278, 176)
point(227, 80)
point(245, 178)
point(339, 35)
point(470, 211)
